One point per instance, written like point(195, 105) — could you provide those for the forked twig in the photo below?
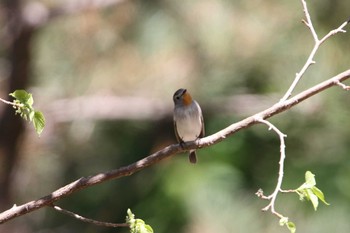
point(273, 196)
point(317, 44)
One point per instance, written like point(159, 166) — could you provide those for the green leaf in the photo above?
point(310, 179)
point(31, 115)
point(38, 122)
point(23, 96)
point(319, 194)
point(149, 228)
point(313, 198)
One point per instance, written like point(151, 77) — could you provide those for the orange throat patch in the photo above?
point(186, 98)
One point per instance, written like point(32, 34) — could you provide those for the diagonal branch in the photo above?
point(168, 151)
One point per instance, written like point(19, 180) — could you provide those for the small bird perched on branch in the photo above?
point(188, 120)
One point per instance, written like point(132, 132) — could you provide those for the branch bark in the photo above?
point(169, 151)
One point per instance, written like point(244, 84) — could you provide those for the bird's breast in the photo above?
point(188, 122)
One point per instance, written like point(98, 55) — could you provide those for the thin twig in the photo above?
point(288, 191)
point(10, 103)
point(317, 44)
point(335, 31)
point(308, 21)
point(273, 196)
point(342, 85)
point(88, 220)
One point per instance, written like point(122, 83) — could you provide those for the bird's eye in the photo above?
point(177, 97)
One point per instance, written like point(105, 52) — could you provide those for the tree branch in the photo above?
point(169, 151)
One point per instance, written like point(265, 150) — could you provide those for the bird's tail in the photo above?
point(193, 156)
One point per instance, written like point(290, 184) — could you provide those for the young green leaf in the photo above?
point(319, 194)
point(31, 115)
point(23, 96)
point(310, 179)
point(39, 122)
point(313, 198)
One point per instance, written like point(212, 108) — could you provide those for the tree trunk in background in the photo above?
point(11, 126)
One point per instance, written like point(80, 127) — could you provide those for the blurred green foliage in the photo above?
point(216, 49)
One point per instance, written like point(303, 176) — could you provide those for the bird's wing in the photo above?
point(203, 131)
point(176, 133)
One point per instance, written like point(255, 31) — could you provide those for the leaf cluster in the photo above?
point(23, 103)
point(310, 192)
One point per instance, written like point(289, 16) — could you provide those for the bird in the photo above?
point(188, 120)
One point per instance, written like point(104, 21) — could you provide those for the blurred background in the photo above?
point(104, 71)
